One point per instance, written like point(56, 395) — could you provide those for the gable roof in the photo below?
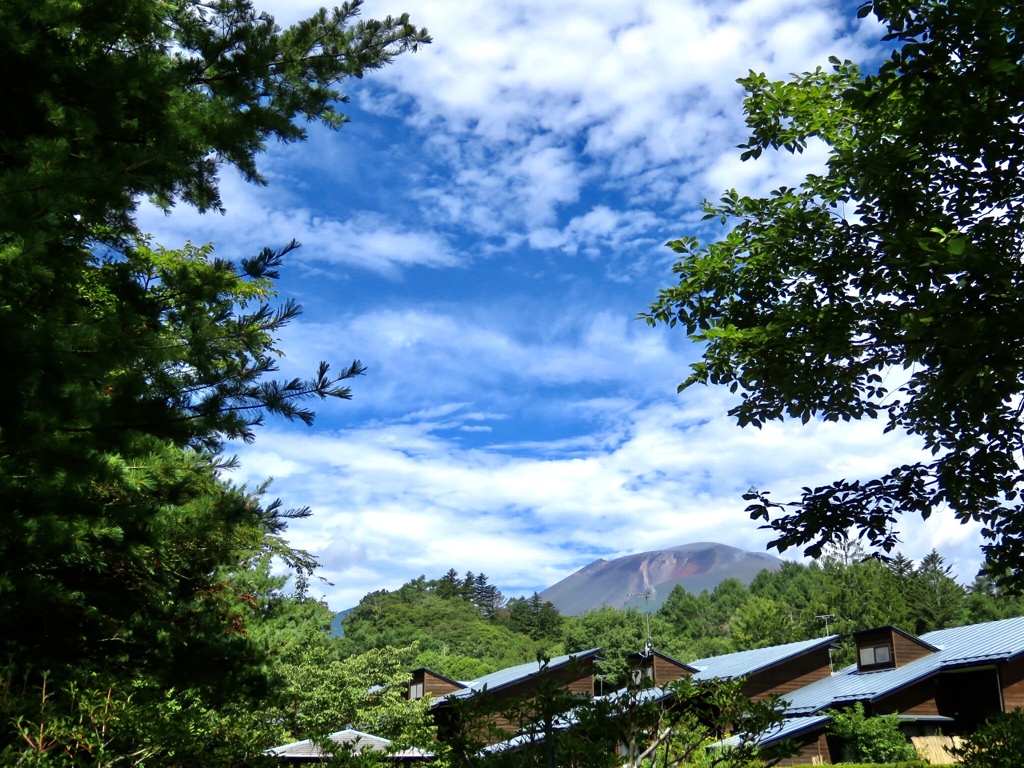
point(357, 741)
point(569, 719)
point(744, 663)
point(893, 628)
point(438, 675)
point(506, 677)
point(956, 647)
point(655, 653)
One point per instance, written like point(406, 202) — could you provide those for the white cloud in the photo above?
point(524, 110)
point(403, 494)
point(260, 217)
point(422, 358)
point(395, 500)
point(529, 104)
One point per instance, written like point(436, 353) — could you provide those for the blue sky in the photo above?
point(482, 236)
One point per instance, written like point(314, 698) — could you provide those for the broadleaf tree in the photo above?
point(890, 285)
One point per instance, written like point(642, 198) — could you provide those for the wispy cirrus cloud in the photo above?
point(524, 112)
point(260, 217)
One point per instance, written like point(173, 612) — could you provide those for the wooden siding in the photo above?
point(813, 750)
point(573, 678)
point(576, 678)
point(437, 686)
point(666, 670)
point(1011, 677)
point(903, 649)
point(907, 649)
point(917, 699)
point(789, 675)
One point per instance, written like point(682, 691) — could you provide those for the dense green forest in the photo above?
point(463, 627)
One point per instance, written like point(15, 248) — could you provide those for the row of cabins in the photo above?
point(948, 680)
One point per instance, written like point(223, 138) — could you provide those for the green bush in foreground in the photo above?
point(871, 739)
point(999, 743)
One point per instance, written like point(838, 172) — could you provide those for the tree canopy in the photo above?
point(454, 624)
point(888, 286)
point(125, 98)
point(134, 594)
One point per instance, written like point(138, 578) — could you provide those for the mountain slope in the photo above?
point(622, 582)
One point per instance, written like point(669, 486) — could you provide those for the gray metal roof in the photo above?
point(958, 647)
point(743, 663)
point(349, 738)
point(505, 677)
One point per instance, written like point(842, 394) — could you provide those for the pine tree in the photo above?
point(124, 548)
point(939, 602)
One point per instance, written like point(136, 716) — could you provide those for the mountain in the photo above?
point(622, 582)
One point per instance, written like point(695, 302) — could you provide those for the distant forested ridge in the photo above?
point(459, 626)
point(463, 627)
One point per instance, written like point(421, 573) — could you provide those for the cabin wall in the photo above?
point(1011, 677)
point(917, 699)
point(789, 675)
point(902, 649)
point(437, 686)
point(576, 679)
point(876, 638)
point(906, 650)
point(666, 672)
point(813, 750)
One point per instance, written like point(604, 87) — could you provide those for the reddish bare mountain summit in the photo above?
point(619, 582)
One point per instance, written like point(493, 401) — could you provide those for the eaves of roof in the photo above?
point(506, 677)
point(787, 729)
point(898, 631)
point(744, 663)
point(639, 655)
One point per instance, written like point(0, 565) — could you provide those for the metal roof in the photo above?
point(958, 647)
point(743, 663)
point(569, 719)
point(505, 677)
point(992, 641)
point(349, 738)
point(978, 644)
point(787, 729)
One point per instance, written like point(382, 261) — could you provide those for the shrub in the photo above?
point(999, 743)
point(871, 739)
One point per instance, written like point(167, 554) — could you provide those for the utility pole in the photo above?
point(826, 617)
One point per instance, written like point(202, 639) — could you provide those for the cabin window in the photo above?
point(875, 656)
point(416, 691)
